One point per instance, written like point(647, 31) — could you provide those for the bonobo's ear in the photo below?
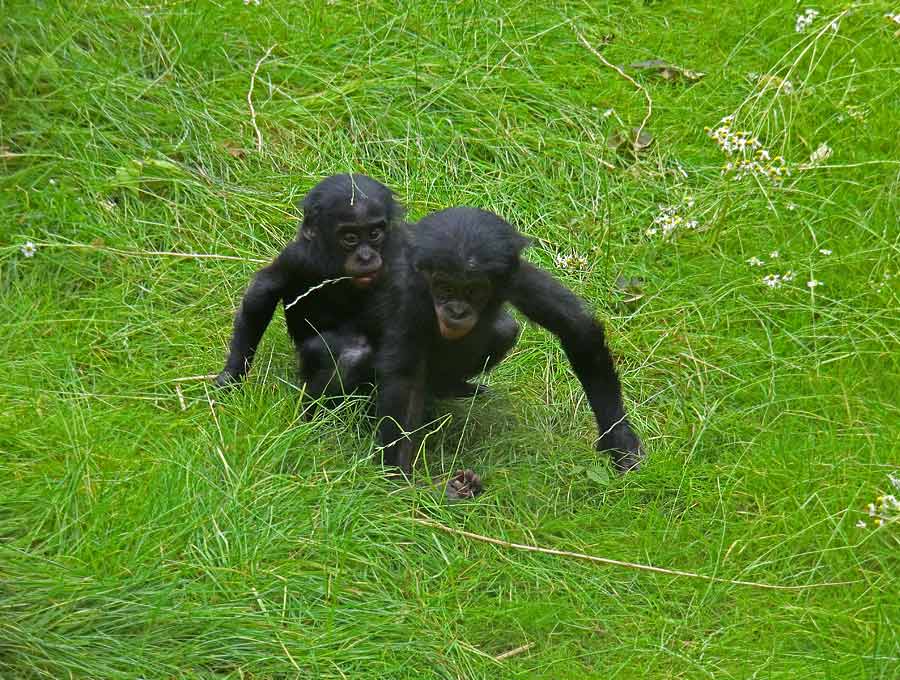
point(307, 231)
point(398, 212)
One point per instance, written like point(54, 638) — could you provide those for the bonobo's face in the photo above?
point(348, 219)
point(458, 301)
point(361, 243)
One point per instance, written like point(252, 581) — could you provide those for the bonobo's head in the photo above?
point(467, 257)
point(348, 219)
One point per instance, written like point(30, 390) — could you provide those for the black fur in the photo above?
point(415, 356)
point(326, 326)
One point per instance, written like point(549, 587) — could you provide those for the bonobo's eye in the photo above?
point(376, 235)
point(349, 240)
point(441, 289)
point(478, 293)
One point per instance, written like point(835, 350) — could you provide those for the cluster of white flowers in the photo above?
point(893, 17)
point(805, 20)
point(879, 286)
point(573, 261)
point(754, 160)
point(812, 283)
point(755, 262)
point(775, 280)
point(28, 249)
point(885, 509)
point(668, 220)
point(857, 112)
point(825, 251)
point(820, 155)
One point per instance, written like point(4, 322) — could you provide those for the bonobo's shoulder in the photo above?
point(296, 261)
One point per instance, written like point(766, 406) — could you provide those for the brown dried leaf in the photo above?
point(668, 72)
point(641, 139)
point(234, 150)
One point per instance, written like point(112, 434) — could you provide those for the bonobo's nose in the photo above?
point(457, 310)
point(365, 255)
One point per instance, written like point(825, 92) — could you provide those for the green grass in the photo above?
point(140, 538)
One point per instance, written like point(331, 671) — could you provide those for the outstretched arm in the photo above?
point(251, 320)
point(548, 303)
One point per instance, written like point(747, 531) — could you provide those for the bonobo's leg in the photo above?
point(401, 400)
point(335, 363)
point(471, 356)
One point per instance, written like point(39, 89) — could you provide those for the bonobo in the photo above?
point(347, 225)
point(449, 292)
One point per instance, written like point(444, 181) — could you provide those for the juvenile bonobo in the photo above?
point(449, 290)
point(347, 223)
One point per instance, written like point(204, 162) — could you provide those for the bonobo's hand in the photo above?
point(227, 379)
point(465, 484)
point(623, 446)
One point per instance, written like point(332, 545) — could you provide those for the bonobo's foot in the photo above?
point(623, 446)
point(227, 379)
point(464, 485)
point(460, 390)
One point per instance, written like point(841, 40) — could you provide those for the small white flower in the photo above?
point(821, 154)
point(772, 280)
point(788, 276)
point(755, 262)
point(825, 251)
point(690, 224)
point(573, 261)
point(893, 17)
point(28, 249)
point(791, 206)
point(871, 508)
point(255, 2)
point(860, 524)
point(52, 181)
point(895, 481)
point(689, 201)
point(813, 283)
point(608, 113)
point(774, 254)
point(651, 231)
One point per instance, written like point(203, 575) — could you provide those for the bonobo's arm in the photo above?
point(550, 304)
point(401, 398)
point(255, 313)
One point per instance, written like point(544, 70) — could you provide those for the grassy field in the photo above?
point(151, 527)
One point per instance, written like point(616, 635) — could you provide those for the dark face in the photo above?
point(361, 244)
point(348, 219)
point(458, 301)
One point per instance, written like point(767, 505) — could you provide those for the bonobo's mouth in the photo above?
point(454, 332)
point(365, 280)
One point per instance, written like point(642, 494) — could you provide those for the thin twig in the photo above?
point(259, 142)
point(180, 397)
point(620, 563)
point(313, 289)
point(513, 652)
point(622, 73)
point(194, 378)
point(151, 253)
